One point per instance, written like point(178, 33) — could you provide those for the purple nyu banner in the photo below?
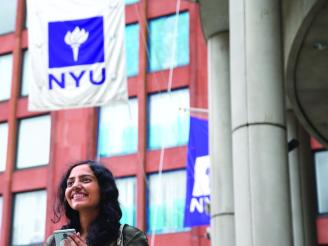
point(198, 181)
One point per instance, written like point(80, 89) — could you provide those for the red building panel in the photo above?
point(322, 230)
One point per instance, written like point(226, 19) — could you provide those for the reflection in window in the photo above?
point(168, 124)
point(118, 129)
point(321, 165)
point(127, 2)
point(7, 16)
point(127, 199)
point(1, 206)
point(167, 45)
point(29, 227)
point(132, 49)
point(3, 145)
point(33, 141)
point(25, 74)
point(6, 66)
point(166, 202)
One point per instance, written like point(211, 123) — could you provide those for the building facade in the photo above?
point(143, 143)
point(179, 56)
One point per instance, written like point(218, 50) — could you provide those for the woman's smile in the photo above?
point(78, 196)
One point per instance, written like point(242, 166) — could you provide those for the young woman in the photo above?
point(88, 197)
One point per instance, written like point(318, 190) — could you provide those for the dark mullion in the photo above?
point(12, 127)
point(142, 117)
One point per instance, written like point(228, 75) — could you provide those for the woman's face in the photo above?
point(82, 192)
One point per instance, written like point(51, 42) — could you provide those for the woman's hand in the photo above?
point(77, 240)
point(65, 242)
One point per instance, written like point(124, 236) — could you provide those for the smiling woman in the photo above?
point(88, 196)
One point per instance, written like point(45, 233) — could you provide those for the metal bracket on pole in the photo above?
point(293, 144)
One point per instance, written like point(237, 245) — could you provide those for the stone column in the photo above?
point(260, 166)
point(222, 211)
point(302, 189)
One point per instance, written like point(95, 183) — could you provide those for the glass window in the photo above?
point(1, 206)
point(132, 49)
point(6, 67)
point(169, 125)
point(7, 16)
point(3, 145)
point(118, 129)
point(127, 199)
point(168, 45)
point(29, 226)
point(25, 74)
point(127, 2)
point(166, 202)
point(321, 165)
point(33, 141)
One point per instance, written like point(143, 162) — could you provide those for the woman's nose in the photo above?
point(76, 185)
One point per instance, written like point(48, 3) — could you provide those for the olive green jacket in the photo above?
point(129, 236)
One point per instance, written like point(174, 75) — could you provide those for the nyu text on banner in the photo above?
point(198, 180)
point(77, 53)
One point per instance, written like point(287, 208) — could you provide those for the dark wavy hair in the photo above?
point(105, 228)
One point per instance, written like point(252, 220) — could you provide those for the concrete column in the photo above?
point(260, 166)
point(302, 187)
point(222, 207)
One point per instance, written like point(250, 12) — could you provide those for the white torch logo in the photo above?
point(75, 39)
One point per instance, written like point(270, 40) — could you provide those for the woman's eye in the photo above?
point(69, 184)
point(86, 180)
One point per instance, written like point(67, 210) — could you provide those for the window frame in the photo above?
point(134, 178)
point(158, 61)
point(6, 147)
point(13, 211)
point(14, 20)
point(183, 229)
point(178, 144)
point(9, 77)
point(99, 132)
point(17, 148)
